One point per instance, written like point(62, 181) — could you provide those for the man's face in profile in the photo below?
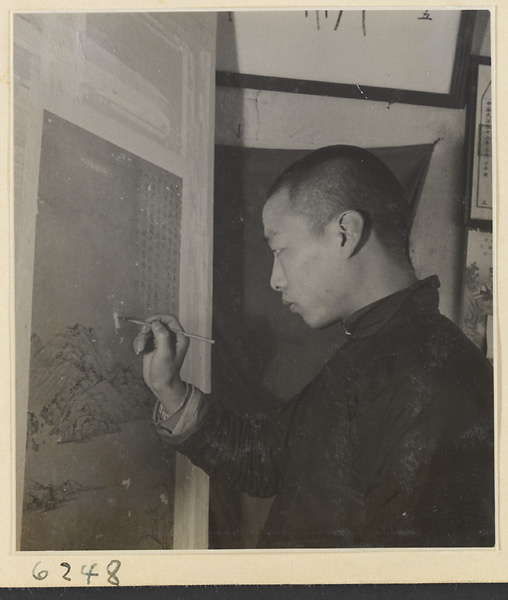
point(308, 268)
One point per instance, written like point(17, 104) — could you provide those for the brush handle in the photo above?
point(189, 335)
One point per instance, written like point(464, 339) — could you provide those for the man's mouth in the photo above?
point(291, 305)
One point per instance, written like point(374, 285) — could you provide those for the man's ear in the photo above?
point(351, 227)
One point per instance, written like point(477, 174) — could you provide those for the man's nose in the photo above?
point(277, 280)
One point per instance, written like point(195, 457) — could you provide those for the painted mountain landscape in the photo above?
point(96, 476)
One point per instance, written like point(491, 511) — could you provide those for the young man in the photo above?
point(391, 445)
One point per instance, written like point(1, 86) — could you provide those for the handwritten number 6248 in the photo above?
point(112, 570)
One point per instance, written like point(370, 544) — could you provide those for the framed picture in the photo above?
point(477, 294)
point(430, 74)
point(479, 144)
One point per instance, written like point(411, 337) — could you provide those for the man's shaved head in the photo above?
point(334, 179)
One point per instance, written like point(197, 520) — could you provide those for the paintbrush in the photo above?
point(189, 335)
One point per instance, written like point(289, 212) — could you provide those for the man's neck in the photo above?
point(379, 278)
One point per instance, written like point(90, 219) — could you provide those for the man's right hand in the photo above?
point(163, 361)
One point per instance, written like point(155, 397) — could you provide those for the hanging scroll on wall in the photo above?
point(309, 52)
point(108, 222)
point(479, 150)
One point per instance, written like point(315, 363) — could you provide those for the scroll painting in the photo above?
point(107, 244)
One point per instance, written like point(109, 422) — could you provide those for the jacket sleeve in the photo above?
point(250, 455)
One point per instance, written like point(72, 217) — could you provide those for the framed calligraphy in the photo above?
point(305, 52)
point(479, 145)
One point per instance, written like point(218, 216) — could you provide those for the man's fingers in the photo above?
point(162, 340)
point(141, 339)
point(161, 327)
point(170, 320)
point(182, 343)
point(173, 324)
point(161, 367)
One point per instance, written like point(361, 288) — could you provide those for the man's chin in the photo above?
point(317, 323)
point(314, 323)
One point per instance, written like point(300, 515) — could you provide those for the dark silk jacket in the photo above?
point(391, 445)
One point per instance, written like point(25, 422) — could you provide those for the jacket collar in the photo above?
point(421, 296)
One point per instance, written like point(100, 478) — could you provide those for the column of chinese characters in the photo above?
point(158, 230)
point(484, 195)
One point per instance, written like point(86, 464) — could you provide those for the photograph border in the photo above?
point(250, 567)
